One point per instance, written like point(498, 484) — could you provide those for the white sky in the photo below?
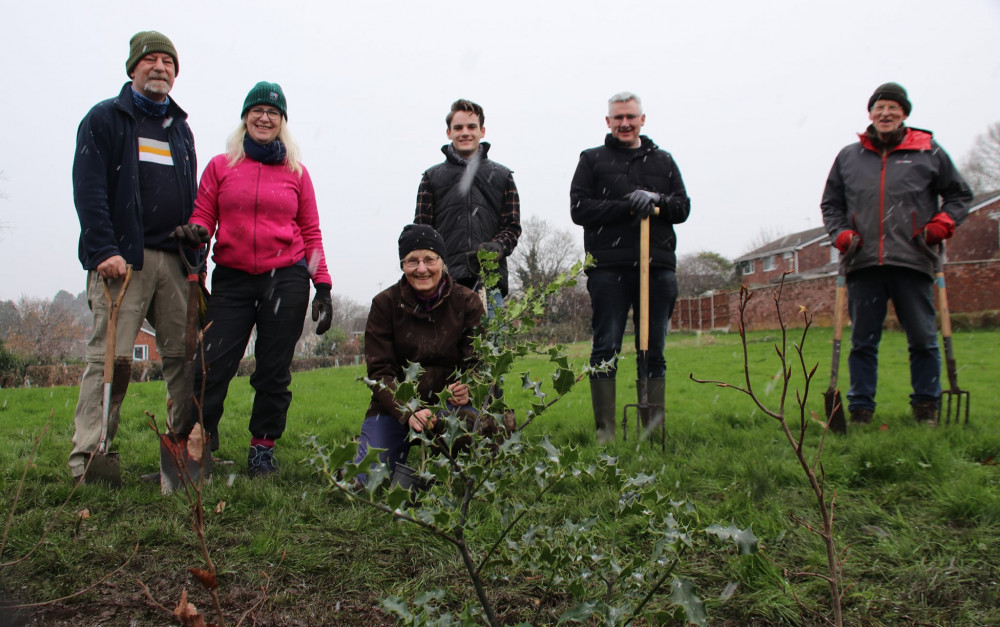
point(753, 99)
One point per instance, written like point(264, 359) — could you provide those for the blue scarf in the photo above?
point(150, 107)
point(271, 154)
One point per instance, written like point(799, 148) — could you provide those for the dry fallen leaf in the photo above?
point(196, 443)
point(206, 578)
point(187, 614)
point(83, 513)
point(221, 507)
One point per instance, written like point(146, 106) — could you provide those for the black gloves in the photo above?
point(322, 309)
point(493, 247)
point(490, 246)
point(194, 235)
point(641, 203)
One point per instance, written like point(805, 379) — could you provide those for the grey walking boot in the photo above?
point(654, 415)
point(602, 396)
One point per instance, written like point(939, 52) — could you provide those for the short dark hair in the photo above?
point(469, 107)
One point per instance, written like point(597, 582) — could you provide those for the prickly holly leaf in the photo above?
point(396, 497)
point(399, 607)
point(745, 539)
point(503, 363)
point(342, 454)
point(551, 452)
point(558, 357)
point(682, 595)
point(405, 392)
point(412, 371)
point(206, 578)
point(563, 380)
point(528, 384)
point(582, 613)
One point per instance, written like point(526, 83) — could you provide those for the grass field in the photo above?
point(918, 509)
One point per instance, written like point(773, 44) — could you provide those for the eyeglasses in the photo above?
point(892, 108)
point(259, 112)
point(413, 264)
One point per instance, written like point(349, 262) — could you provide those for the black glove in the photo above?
point(641, 203)
point(194, 235)
point(493, 247)
point(322, 309)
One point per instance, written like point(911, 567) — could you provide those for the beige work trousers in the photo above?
point(157, 293)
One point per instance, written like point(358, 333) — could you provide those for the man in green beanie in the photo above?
point(890, 200)
point(134, 182)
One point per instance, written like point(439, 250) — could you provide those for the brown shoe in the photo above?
point(926, 413)
point(862, 416)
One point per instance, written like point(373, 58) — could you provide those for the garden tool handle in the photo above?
point(110, 337)
point(644, 281)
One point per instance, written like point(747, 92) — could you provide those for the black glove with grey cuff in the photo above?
point(194, 235)
point(641, 203)
point(322, 309)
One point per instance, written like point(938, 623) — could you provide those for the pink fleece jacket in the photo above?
point(263, 217)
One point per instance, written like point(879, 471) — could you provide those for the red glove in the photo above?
point(845, 239)
point(940, 228)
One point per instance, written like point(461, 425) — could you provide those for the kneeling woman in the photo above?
point(425, 318)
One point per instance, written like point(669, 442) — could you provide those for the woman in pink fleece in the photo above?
point(258, 201)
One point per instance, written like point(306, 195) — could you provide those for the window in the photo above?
point(140, 352)
point(748, 266)
point(769, 263)
point(834, 255)
point(786, 257)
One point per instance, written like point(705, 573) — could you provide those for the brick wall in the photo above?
point(978, 237)
point(973, 287)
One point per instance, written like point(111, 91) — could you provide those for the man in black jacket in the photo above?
point(471, 201)
point(134, 183)
point(615, 186)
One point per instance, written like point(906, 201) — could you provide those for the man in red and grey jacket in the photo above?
point(897, 195)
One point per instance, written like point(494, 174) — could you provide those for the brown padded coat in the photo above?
point(401, 331)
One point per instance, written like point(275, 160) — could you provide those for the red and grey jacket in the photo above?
point(889, 198)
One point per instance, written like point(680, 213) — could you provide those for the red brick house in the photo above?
point(806, 252)
point(145, 344)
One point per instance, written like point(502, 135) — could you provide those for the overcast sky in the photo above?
point(753, 99)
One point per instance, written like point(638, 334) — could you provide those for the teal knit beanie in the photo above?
point(268, 94)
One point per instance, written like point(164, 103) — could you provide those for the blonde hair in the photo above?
point(235, 152)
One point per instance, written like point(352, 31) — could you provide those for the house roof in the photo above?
point(981, 201)
point(795, 241)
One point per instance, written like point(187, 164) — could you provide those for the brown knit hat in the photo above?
point(891, 91)
point(146, 42)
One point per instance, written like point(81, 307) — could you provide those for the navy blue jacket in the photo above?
point(106, 178)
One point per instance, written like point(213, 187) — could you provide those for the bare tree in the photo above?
point(542, 254)
point(345, 312)
point(764, 237)
point(45, 330)
point(981, 166)
point(705, 271)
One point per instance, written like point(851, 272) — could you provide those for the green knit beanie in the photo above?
point(268, 94)
point(146, 42)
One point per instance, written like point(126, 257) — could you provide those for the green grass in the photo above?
point(918, 509)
